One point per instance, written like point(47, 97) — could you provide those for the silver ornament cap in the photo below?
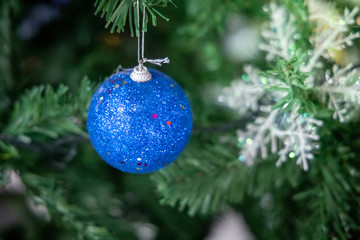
point(140, 74)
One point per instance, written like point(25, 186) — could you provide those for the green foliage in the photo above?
point(8, 151)
point(44, 191)
point(323, 202)
point(331, 194)
point(191, 176)
point(50, 113)
point(298, 93)
point(315, 205)
point(41, 130)
point(212, 178)
point(118, 12)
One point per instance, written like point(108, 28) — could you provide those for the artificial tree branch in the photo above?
point(55, 147)
point(64, 147)
point(224, 127)
point(117, 13)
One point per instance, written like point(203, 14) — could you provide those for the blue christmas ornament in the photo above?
point(139, 126)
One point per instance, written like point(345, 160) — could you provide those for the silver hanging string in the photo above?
point(118, 69)
point(140, 73)
point(138, 29)
point(143, 35)
point(158, 62)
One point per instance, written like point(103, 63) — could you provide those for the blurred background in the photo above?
point(53, 55)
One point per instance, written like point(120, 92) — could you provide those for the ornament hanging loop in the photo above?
point(141, 73)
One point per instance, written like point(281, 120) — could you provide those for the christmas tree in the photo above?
point(274, 88)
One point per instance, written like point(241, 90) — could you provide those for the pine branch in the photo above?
point(194, 186)
point(49, 121)
point(206, 178)
point(44, 191)
point(43, 147)
point(49, 113)
point(118, 12)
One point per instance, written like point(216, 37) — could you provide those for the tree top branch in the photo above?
point(118, 12)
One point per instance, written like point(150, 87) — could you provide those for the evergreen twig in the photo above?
point(118, 12)
point(55, 147)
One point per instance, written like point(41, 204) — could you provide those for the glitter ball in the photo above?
point(123, 125)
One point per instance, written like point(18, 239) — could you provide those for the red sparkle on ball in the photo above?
point(121, 162)
point(112, 81)
point(168, 123)
point(145, 164)
point(109, 91)
point(164, 164)
point(139, 163)
point(154, 116)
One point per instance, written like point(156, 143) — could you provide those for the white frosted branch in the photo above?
point(330, 34)
point(296, 134)
point(340, 91)
point(259, 140)
point(243, 95)
point(280, 36)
